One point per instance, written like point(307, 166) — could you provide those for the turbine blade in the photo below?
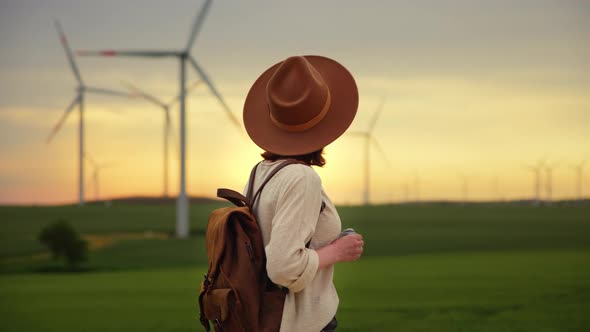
point(147, 53)
point(69, 55)
point(136, 91)
point(198, 22)
point(381, 151)
point(62, 119)
point(376, 115)
point(188, 89)
point(110, 92)
point(207, 81)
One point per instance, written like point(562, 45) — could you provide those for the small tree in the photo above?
point(63, 241)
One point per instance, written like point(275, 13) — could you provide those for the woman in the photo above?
point(293, 110)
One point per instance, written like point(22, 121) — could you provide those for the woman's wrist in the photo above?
point(328, 255)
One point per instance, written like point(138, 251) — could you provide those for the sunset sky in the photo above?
point(479, 88)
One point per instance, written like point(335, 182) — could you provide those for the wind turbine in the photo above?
point(496, 189)
point(370, 139)
point(96, 175)
point(549, 181)
point(406, 192)
point(167, 126)
point(579, 170)
point(464, 187)
point(183, 56)
point(82, 89)
point(417, 190)
point(536, 170)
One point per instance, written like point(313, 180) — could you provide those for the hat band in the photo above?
point(306, 125)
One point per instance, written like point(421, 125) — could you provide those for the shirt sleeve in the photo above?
point(289, 263)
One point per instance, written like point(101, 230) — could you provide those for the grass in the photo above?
point(426, 268)
point(158, 300)
point(508, 291)
point(20, 225)
point(413, 229)
point(391, 230)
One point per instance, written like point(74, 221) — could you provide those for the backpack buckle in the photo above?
point(217, 323)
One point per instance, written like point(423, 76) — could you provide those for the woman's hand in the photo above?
point(350, 247)
point(346, 249)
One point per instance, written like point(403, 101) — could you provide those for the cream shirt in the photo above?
point(288, 211)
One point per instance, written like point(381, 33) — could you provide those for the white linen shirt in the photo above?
point(288, 211)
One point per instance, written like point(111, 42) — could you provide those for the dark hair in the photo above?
point(312, 159)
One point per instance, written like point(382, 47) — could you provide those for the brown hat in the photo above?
point(300, 105)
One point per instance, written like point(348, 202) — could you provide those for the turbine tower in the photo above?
point(406, 192)
point(370, 139)
point(183, 56)
point(579, 170)
point(497, 194)
point(417, 182)
point(549, 181)
point(536, 170)
point(78, 101)
point(167, 125)
point(464, 187)
point(96, 175)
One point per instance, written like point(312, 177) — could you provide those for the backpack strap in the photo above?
point(322, 207)
point(251, 182)
point(239, 199)
point(234, 196)
point(251, 199)
point(275, 171)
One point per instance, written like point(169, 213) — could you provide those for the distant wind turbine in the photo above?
point(536, 170)
point(496, 189)
point(167, 125)
point(96, 175)
point(579, 170)
point(417, 187)
point(406, 192)
point(464, 186)
point(184, 56)
point(549, 168)
point(370, 139)
point(78, 101)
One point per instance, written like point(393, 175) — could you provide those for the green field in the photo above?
point(426, 268)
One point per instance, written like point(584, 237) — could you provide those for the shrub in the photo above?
point(63, 241)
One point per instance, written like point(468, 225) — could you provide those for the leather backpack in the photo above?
point(236, 293)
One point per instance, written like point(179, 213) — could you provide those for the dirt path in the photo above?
point(98, 241)
point(95, 242)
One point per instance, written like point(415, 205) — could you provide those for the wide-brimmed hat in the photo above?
point(300, 105)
